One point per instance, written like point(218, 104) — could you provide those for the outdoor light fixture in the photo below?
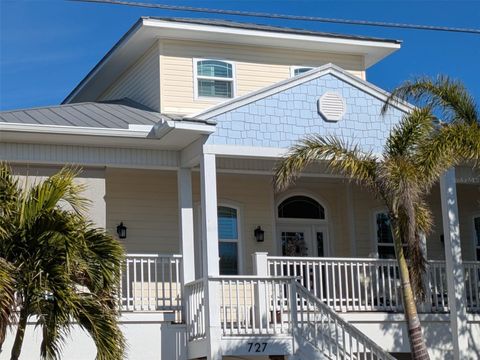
point(122, 231)
point(259, 234)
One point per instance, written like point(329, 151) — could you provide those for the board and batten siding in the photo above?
point(140, 82)
point(255, 68)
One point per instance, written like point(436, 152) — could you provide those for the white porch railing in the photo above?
point(195, 303)
point(251, 305)
point(472, 285)
point(350, 284)
point(151, 282)
point(320, 326)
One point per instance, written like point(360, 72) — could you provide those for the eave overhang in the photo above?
point(166, 135)
point(146, 31)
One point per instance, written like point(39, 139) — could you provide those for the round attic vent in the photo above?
point(331, 106)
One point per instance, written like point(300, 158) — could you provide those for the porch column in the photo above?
point(454, 268)
point(208, 180)
point(185, 205)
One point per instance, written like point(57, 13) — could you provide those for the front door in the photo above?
point(303, 240)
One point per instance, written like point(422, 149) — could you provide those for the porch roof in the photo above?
point(115, 114)
point(120, 122)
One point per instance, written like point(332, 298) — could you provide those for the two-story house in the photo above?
point(178, 129)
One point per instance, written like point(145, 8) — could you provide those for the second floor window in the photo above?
point(214, 79)
point(297, 70)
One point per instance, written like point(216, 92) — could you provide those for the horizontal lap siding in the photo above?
point(146, 202)
point(140, 82)
point(254, 196)
point(255, 67)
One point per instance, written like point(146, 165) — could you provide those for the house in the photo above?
point(178, 129)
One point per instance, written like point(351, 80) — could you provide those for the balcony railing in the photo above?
point(350, 284)
point(152, 283)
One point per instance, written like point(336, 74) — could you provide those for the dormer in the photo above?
point(183, 66)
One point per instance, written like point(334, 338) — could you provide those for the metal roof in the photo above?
point(115, 114)
point(270, 28)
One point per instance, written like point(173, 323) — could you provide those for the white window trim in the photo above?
point(212, 98)
point(293, 68)
point(239, 241)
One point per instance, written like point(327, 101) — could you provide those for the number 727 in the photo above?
point(257, 347)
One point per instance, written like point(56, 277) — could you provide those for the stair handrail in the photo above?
point(354, 333)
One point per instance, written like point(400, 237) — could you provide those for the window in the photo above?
point(385, 246)
point(476, 224)
point(297, 70)
point(214, 78)
point(301, 207)
point(228, 240)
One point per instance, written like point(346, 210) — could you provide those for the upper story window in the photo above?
point(228, 240)
point(476, 224)
point(214, 79)
point(297, 70)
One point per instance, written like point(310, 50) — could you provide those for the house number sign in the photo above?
point(256, 347)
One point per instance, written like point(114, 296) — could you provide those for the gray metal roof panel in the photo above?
point(116, 114)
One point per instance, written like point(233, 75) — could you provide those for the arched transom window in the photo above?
point(301, 207)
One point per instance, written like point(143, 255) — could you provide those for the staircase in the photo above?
point(320, 333)
point(269, 316)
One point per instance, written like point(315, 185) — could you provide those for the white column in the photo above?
point(185, 205)
point(260, 268)
point(208, 179)
point(454, 268)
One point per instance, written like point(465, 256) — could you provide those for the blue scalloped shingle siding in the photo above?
point(279, 120)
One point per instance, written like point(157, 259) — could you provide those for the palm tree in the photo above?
point(61, 269)
point(416, 153)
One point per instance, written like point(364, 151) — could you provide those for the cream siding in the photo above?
point(255, 67)
point(146, 202)
point(140, 82)
point(92, 178)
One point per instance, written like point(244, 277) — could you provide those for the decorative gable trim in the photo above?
point(300, 79)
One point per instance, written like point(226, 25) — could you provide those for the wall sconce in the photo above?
point(259, 234)
point(122, 231)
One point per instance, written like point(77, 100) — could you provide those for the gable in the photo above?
point(282, 118)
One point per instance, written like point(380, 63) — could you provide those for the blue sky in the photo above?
point(47, 47)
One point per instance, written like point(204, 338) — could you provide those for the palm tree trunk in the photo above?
point(22, 324)
point(418, 347)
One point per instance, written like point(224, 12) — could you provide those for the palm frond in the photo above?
point(450, 145)
point(443, 94)
point(413, 129)
point(339, 156)
point(99, 319)
point(7, 297)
